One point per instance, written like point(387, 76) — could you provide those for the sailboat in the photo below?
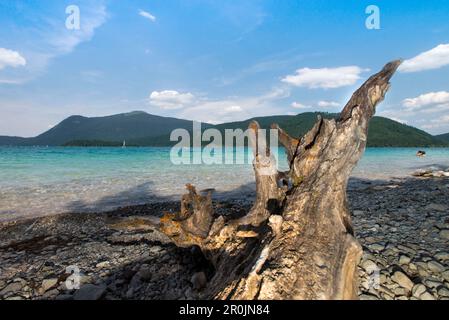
point(124, 144)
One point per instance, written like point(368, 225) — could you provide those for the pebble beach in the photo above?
point(402, 224)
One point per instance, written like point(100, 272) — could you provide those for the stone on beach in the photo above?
point(418, 290)
point(427, 296)
point(12, 287)
point(404, 260)
point(436, 207)
point(199, 280)
point(444, 234)
point(435, 266)
point(397, 230)
point(403, 280)
point(90, 292)
point(48, 284)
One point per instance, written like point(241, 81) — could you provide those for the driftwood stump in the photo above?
point(297, 241)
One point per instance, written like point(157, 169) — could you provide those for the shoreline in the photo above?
point(54, 181)
point(403, 226)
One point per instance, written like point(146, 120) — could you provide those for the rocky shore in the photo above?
point(403, 225)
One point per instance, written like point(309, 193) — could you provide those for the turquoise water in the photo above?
point(41, 181)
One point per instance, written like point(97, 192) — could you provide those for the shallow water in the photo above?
point(41, 181)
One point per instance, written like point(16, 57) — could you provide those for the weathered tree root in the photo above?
point(297, 240)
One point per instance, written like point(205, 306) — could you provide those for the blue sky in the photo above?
point(217, 61)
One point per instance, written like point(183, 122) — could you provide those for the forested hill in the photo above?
point(142, 129)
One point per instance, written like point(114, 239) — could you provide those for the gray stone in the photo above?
point(418, 290)
point(103, 264)
point(90, 292)
point(412, 267)
point(145, 273)
point(376, 247)
point(15, 298)
point(48, 284)
point(443, 292)
point(369, 266)
point(433, 283)
point(435, 266)
point(427, 296)
point(443, 256)
point(444, 234)
point(445, 275)
point(199, 280)
point(403, 280)
point(436, 207)
point(12, 287)
point(50, 294)
point(400, 291)
point(404, 260)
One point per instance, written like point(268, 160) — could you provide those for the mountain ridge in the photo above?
point(444, 137)
point(139, 128)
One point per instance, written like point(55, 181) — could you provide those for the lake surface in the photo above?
point(41, 181)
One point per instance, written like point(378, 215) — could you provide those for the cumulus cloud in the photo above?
point(327, 78)
point(428, 99)
point(433, 59)
point(427, 111)
point(441, 122)
point(10, 58)
point(171, 99)
point(327, 104)
point(147, 15)
point(233, 108)
point(298, 105)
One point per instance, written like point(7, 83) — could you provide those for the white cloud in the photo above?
point(298, 105)
point(234, 108)
point(147, 15)
point(437, 123)
point(327, 78)
point(328, 104)
point(428, 111)
point(428, 99)
point(10, 58)
point(432, 59)
point(48, 38)
point(171, 99)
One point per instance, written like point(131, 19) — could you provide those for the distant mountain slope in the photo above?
point(13, 141)
point(383, 132)
point(443, 137)
point(125, 126)
point(143, 129)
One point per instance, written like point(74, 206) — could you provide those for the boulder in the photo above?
point(90, 292)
